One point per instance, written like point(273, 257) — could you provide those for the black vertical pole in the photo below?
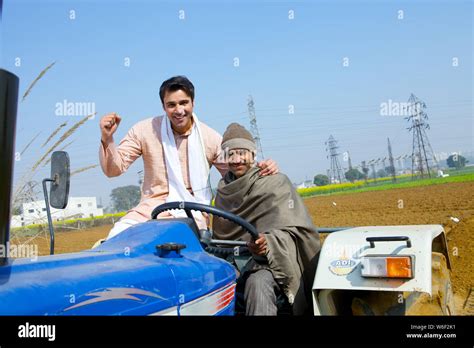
point(48, 213)
point(8, 109)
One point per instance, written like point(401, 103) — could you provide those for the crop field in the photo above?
point(434, 204)
point(380, 184)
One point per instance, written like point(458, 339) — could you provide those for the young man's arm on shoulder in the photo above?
point(214, 141)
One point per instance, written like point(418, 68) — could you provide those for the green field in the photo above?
point(65, 225)
point(403, 181)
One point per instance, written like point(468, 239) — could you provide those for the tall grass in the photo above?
point(61, 149)
point(56, 131)
point(41, 74)
point(23, 183)
point(83, 169)
point(23, 191)
point(28, 145)
point(66, 135)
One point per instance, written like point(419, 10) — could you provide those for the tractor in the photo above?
point(171, 267)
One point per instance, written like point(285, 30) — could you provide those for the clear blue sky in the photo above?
point(283, 62)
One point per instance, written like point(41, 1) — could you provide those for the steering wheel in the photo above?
point(189, 206)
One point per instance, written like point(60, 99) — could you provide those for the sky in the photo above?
point(313, 68)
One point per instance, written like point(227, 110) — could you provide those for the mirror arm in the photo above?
point(48, 213)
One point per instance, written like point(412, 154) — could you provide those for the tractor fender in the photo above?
point(349, 246)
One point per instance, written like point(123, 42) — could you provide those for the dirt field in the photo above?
point(424, 205)
point(71, 241)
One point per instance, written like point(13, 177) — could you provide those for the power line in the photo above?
point(335, 173)
point(254, 127)
point(422, 153)
point(390, 158)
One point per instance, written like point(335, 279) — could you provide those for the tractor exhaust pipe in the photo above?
point(8, 109)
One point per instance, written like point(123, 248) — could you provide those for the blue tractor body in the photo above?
point(126, 275)
point(156, 267)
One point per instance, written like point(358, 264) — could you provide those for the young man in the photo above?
point(288, 241)
point(177, 151)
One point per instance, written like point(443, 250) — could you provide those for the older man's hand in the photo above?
point(267, 167)
point(259, 247)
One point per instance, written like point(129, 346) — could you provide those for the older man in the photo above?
point(177, 151)
point(288, 241)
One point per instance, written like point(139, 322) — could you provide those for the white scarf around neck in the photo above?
point(198, 167)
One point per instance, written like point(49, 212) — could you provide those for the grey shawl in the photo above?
point(273, 206)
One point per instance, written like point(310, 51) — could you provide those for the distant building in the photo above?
point(16, 221)
point(305, 184)
point(402, 172)
point(441, 174)
point(77, 207)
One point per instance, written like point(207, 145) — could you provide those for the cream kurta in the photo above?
point(144, 139)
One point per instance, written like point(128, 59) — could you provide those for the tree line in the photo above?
point(454, 161)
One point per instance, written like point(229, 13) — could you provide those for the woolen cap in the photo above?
point(237, 137)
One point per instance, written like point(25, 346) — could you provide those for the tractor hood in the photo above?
point(339, 264)
point(126, 275)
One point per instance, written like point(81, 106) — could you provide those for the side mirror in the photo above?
point(60, 173)
point(59, 190)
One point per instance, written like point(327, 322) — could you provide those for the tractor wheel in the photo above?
point(411, 303)
point(441, 302)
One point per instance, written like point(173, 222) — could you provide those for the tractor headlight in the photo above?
point(387, 266)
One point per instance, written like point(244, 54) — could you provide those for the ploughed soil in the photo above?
point(67, 242)
point(436, 204)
